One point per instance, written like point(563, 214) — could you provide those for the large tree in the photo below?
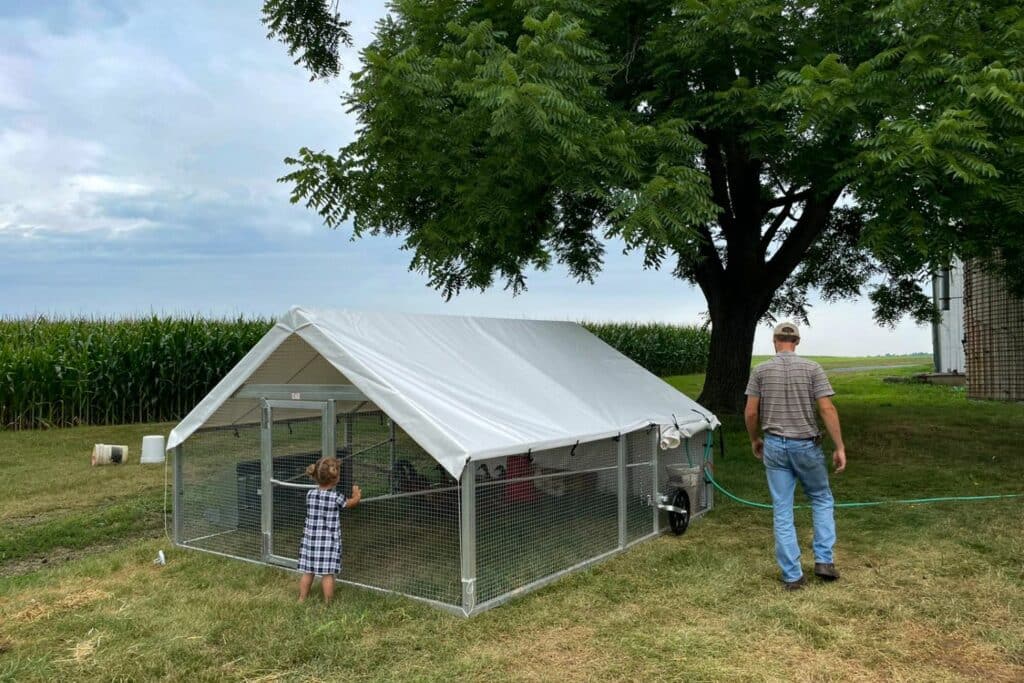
point(761, 149)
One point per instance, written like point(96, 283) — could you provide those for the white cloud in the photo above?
point(143, 140)
point(102, 184)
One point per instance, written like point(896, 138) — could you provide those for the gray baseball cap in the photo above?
point(786, 328)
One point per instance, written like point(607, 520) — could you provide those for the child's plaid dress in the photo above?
point(320, 552)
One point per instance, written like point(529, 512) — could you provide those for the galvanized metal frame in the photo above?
point(296, 404)
point(301, 392)
point(391, 448)
point(266, 472)
point(467, 538)
point(454, 609)
point(653, 440)
point(328, 442)
point(622, 490)
point(348, 432)
point(411, 494)
point(179, 496)
point(535, 477)
point(327, 409)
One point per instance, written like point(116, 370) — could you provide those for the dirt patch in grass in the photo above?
point(39, 609)
point(56, 557)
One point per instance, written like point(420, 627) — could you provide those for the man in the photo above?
point(781, 396)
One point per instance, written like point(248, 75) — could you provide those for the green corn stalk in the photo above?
point(662, 349)
point(70, 371)
point(64, 372)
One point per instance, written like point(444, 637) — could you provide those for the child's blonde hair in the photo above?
point(325, 470)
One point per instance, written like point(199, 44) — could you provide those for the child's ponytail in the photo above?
point(311, 471)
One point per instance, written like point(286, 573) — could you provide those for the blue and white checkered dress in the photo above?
point(320, 552)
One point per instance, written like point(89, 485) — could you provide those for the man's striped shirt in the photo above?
point(789, 386)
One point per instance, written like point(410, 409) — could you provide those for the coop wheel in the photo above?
point(677, 521)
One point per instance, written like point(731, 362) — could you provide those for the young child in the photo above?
point(320, 552)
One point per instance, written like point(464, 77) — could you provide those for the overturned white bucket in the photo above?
point(152, 450)
point(106, 454)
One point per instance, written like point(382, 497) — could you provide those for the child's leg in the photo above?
point(304, 583)
point(328, 585)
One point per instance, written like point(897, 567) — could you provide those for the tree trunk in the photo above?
point(732, 343)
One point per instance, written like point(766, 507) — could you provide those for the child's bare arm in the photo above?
point(357, 495)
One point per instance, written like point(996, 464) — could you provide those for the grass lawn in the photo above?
point(929, 592)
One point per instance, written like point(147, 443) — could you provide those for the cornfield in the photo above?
point(660, 348)
point(58, 373)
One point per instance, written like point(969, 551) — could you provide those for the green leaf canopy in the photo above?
point(763, 149)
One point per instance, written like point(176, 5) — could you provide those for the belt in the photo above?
point(793, 438)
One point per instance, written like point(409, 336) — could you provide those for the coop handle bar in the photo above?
point(290, 485)
point(310, 487)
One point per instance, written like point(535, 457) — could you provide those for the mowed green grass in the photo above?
point(56, 504)
point(929, 592)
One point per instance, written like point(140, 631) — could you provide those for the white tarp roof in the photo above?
point(473, 388)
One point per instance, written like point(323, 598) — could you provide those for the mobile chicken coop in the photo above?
point(494, 455)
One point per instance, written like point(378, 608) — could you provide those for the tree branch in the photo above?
point(789, 198)
point(808, 227)
point(769, 234)
point(718, 173)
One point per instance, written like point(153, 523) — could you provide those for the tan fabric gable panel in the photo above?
point(293, 362)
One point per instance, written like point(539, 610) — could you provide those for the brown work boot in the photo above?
point(825, 572)
point(794, 585)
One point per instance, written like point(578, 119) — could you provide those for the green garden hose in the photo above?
point(903, 501)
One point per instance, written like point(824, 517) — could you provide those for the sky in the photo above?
point(140, 143)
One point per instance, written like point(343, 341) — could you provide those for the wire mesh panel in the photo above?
point(536, 514)
point(296, 443)
point(640, 484)
point(220, 503)
point(993, 327)
point(541, 513)
point(404, 536)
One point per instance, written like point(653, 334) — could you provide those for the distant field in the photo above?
point(831, 362)
point(929, 592)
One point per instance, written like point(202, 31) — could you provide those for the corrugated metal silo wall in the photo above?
point(994, 331)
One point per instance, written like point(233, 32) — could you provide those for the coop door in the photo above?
point(295, 434)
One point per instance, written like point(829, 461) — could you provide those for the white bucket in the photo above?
point(152, 450)
point(691, 479)
point(105, 454)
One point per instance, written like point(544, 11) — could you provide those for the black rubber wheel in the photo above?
point(677, 521)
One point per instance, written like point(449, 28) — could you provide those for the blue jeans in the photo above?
point(787, 461)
